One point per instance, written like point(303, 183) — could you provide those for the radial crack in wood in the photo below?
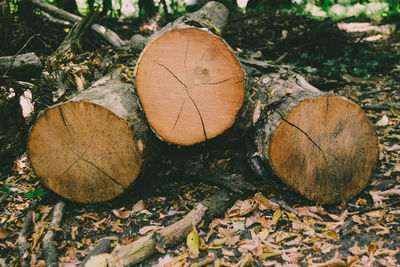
point(190, 85)
point(325, 148)
point(93, 147)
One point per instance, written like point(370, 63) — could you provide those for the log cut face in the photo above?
point(84, 152)
point(325, 148)
point(190, 85)
point(93, 147)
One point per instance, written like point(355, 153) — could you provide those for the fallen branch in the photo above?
point(22, 240)
point(21, 66)
point(111, 37)
point(158, 241)
point(383, 106)
point(103, 246)
point(78, 30)
point(56, 20)
point(48, 240)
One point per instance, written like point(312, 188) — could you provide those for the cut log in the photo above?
point(23, 66)
point(190, 85)
point(322, 146)
point(91, 148)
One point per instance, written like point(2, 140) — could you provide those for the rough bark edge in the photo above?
point(103, 246)
point(212, 16)
point(111, 37)
point(78, 30)
point(50, 250)
point(158, 241)
point(22, 241)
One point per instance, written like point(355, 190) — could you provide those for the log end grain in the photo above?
point(190, 85)
point(84, 152)
point(325, 148)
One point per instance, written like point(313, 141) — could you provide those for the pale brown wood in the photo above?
point(83, 151)
point(190, 85)
point(325, 148)
point(92, 148)
point(322, 146)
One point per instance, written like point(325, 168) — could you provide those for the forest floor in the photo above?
point(270, 225)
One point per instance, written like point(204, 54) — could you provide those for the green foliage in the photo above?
point(337, 10)
point(5, 190)
point(34, 194)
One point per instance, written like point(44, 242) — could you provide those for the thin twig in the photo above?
point(19, 51)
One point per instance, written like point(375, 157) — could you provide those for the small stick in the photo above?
point(48, 240)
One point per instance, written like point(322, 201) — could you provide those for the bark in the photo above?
point(23, 66)
point(111, 37)
point(93, 147)
point(75, 35)
point(158, 241)
point(22, 240)
point(50, 250)
point(12, 129)
point(212, 16)
point(320, 145)
point(302, 134)
point(103, 246)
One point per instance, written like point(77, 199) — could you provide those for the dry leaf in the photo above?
point(121, 214)
point(3, 233)
point(91, 215)
point(116, 228)
point(380, 230)
point(264, 203)
point(340, 218)
point(336, 261)
point(99, 224)
point(277, 215)
point(232, 240)
point(146, 229)
point(357, 219)
point(374, 214)
point(217, 222)
point(193, 243)
point(356, 250)
point(138, 207)
point(378, 196)
point(384, 121)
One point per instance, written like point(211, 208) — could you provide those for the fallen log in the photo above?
point(111, 37)
point(94, 146)
point(191, 88)
point(322, 146)
point(192, 91)
point(23, 66)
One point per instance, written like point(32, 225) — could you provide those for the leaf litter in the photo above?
point(268, 228)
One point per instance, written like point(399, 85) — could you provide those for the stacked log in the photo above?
point(93, 147)
point(192, 88)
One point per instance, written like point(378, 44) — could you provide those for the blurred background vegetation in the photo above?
point(320, 9)
point(302, 33)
